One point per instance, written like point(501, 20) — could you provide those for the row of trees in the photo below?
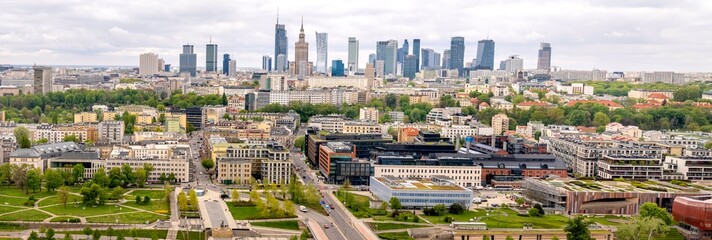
point(49, 234)
point(189, 202)
point(29, 178)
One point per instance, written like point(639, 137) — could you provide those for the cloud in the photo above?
point(607, 34)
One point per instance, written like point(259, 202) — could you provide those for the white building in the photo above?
point(513, 64)
point(466, 176)
point(459, 131)
point(368, 114)
point(111, 131)
point(500, 123)
point(329, 82)
point(148, 64)
point(575, 88)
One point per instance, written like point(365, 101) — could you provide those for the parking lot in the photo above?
point(492, 198)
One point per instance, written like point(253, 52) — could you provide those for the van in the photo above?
point(476, 200)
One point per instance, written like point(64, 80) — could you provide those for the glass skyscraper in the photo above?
point(544, 61)
point(403, 51)
point(409, 66)
point(188, 61)
point(485, 54)
point(322, 47)
point(280, 47)
point(353, 55)
point(416, 52)
point(211, 57)
point(390, 57)
point(226, 64)
point(337, 68)
point(457, 54)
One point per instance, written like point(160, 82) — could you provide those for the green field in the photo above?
point(133, 217)
point(243, 213)
point(142, 233)
point(9, 227)
point(55, 200)
point(14, 191)
point(504, 218)
point(13, 201)
point(191, 235)
point(154, 194)
point(463, 217)
point(26, 215)
point(395, 236)
point(82, 211)
point(609, 220)
point(289, 224)
point(382, 226)
point(7, 209)
point(158, 206)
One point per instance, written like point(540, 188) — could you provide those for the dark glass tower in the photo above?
point(188, 60)
point(226, 64)
point(457, 54)
point(211, 57)
point(485, 54)
point(416, 52)
point(280, 46)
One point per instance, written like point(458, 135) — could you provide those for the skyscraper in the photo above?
point(388, 54)
point(280, 46)
point(544, 62)
point(322, 47)
point(301, 55)
point(426, 58)
point(513, 64)
point(353, 55)
point(485, 54)
point(457, 54)
point(409, 68)
point(148, 64)
point(372, 59)
point(226, 64)
point(211, 57)
point(42, 79)
point(446, 59)
point(266, 62)
point(188, 60)
point(232, 68)
point(337, 68)
point(403, 51)
point(416, 52)
point(435, 61)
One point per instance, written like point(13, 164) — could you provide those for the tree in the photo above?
point(78, 172)
point(534, 212)
point(168, 192)
point(93, 195)
point(540, 208)
point(53, 179)
point(519, 201)
point(71, 138)
point(163, 178)
point(440, 209)
point(49, 235)
point(346, 185)
point(120, 236)
point(182, 201)
point(87, 231)
point(33, 236)
point(484, 237)
point(101, 178)
point(34, 179)
point(647, 228)
point(117, 193)
point(208, 163)
point(96, 235)
point(139, 200)
point(67, 236)
point(650, 209)
point(193, 200)
point(22, 135)
point(224, 99)
point(456, 208)
point(554, 238)
point(395, 203)
point(600, 119)
point(577, 229)
point(146, 200)
point(63, 195)
point(508, 238)
point(19, 176)
point(537, 135)
point(141, 177)
point(708, 145)
point(171, 177)
point(129, 176)
point(289, 208)
point(299, 142)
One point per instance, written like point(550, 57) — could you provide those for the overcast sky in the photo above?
point(615, 35)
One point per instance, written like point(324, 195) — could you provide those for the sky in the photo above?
point(614, 35)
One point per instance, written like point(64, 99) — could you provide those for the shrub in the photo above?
point(30, 201)
point(146, 200)
point(456, 208)
point(138, 200)
point(448, 219)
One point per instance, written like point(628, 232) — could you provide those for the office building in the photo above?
point(226, 64)
point(485, 55)
point(42, 79)
point(694, 216)
point(280, 47)
point(266, 63)
point(337, 162)
point(410, 66)
point(211, 57)
point(188, 61)
point(194, 117)
point(353, 56)
point(500, 123)
point(457, 54)
point(168, 158)
point(364, 143)
point(111, 131)
point(390, 56)
point(544, 60)
point(420, 193)
point(513, 64)
point(301, 54)
point(372, 58)
point(416, 52)
point(322, 48)
point(446, 59)
point(337, 68)
point(232, 68)
point(380, 66)
point(269, 161)
point(148, 64)
point(403, 51)
point(167, 68)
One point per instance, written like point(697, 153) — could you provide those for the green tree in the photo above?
point(224, 99)
point(440, 209)
point(87, 231)
point(193, 200)
point(687, 93)
point(141, 177)
point(554, 238)
point(96, 235)
point(299, 142)
point(117, 193)
point(116, 178)
point(708, 145)
point(49, 235)
point(63, 195)
point(110, 232)
point(67, 237)
point(34, 179)
point(537, 135)
point(395, 203)
point(129, 176)
point(534, 212)
point(208, 163)
point(71, 138)
point(642, 228)
point(22, 135)
point(101, 178)
point(53, 179)
point(508, 238)
point(650, 209)
point(33, 236)
point(78, 172)
point(577, 229)
point(182, 201)
point(600, 119)
point(120, 236)
point(456, 208)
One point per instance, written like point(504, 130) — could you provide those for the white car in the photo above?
point(303, 208)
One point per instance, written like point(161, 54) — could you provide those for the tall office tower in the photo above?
point(457, 54)
point(544, 62)
point(485, 54)
point(502, 65)
point(389, 57)
point(403, 51)
point(266, 63)
point(435, 61)
point(322, 47)
point(372, 58)
point(381, 50)
point(353, 55)
point(279, 63)
point(446, 59)
point(188, 60)
point(42, 79)
point(380, 66)
point(426, 58)
point(513, 64)
point(167, 68)
point(416, 52)
point(409, 68)
point(232, 68)
point(211, 57)
point(500, 124)
point(301, 53)
point(148, 64)
point(369, 72)
point(337, 68)
point(161, 63)
point(226, 64)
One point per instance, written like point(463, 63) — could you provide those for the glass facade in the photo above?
point(485, 54)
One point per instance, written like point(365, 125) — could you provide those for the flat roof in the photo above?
point(396, 183)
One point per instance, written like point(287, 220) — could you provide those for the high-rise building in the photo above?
point(211, 57)
point(42, 79)
point(500, 123)
point(148, 64)
point(161, 63)
point(111, 131)
point(337, 68)
point(353, 55)
point(380, 66)
point(372, 59)
point(409, 66)
point(226, 64)
point(457, 54)
point(427, 59)
point(416, 52)
point(266, 63)
point(368, 114)
point(167, 68)
point(232, 68)
point(301, 54)
point(280, 47)
point(403, 51)
point(369, 72)
point(322, 47)
point(544, 61)
point(188, 60)
point(386, 51)
point(446, 59)
point(485, 54)
point(435, 60)
point(513, 64)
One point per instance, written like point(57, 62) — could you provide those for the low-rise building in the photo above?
point(268, 161)
point(694, 216)
point(167, 159)
point(420, 193)
point(338, 162)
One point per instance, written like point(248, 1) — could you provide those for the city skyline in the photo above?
point(637, 36)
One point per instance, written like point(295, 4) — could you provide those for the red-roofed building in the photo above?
point(644, 106)
point(529, 104)
point(484, 105)
point(407, 134)
point(608, 103)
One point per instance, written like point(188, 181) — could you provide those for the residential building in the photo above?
point(396, 116)
point(269, 161)
point(57, 133)
point(148, 64)
point(43, 79)
point(500, 123)
point(326, 82)
point(664, 77)
point(111, 132)
point(167, 159)
point(643, 94)
point(513, 64)
point(575, 88)
point(420, 193)
point(694, 165)
point(85, 117)
point(368, 114)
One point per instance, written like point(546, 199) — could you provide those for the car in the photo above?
point(303, 208)
point(331, 206)
point(326, 226)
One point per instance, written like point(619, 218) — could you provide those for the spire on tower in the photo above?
point(277, 15)
point(302, 23)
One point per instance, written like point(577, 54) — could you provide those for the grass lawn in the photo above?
point(55, 200)
point(289, 224)
point(391, 226)
point(614, 221)
point(359, 205)
point(134, 217)
point(247, 213)
point(673, 235)
point(27, 215)
point(6, 209)
point(64, 219)
point(13, 201)
point(82, 211)
point(464, 217)
point(17, 192)
point(158, 206)
point(10, 227)
point(154, 194)
point(403, 216)
point(142, 233)
point(504, 218)
point(191, 235)
point(395, 236)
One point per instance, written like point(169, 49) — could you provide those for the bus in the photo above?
point(503, 188)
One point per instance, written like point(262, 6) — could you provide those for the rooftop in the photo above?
point(619, 185)
point(433, 184)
